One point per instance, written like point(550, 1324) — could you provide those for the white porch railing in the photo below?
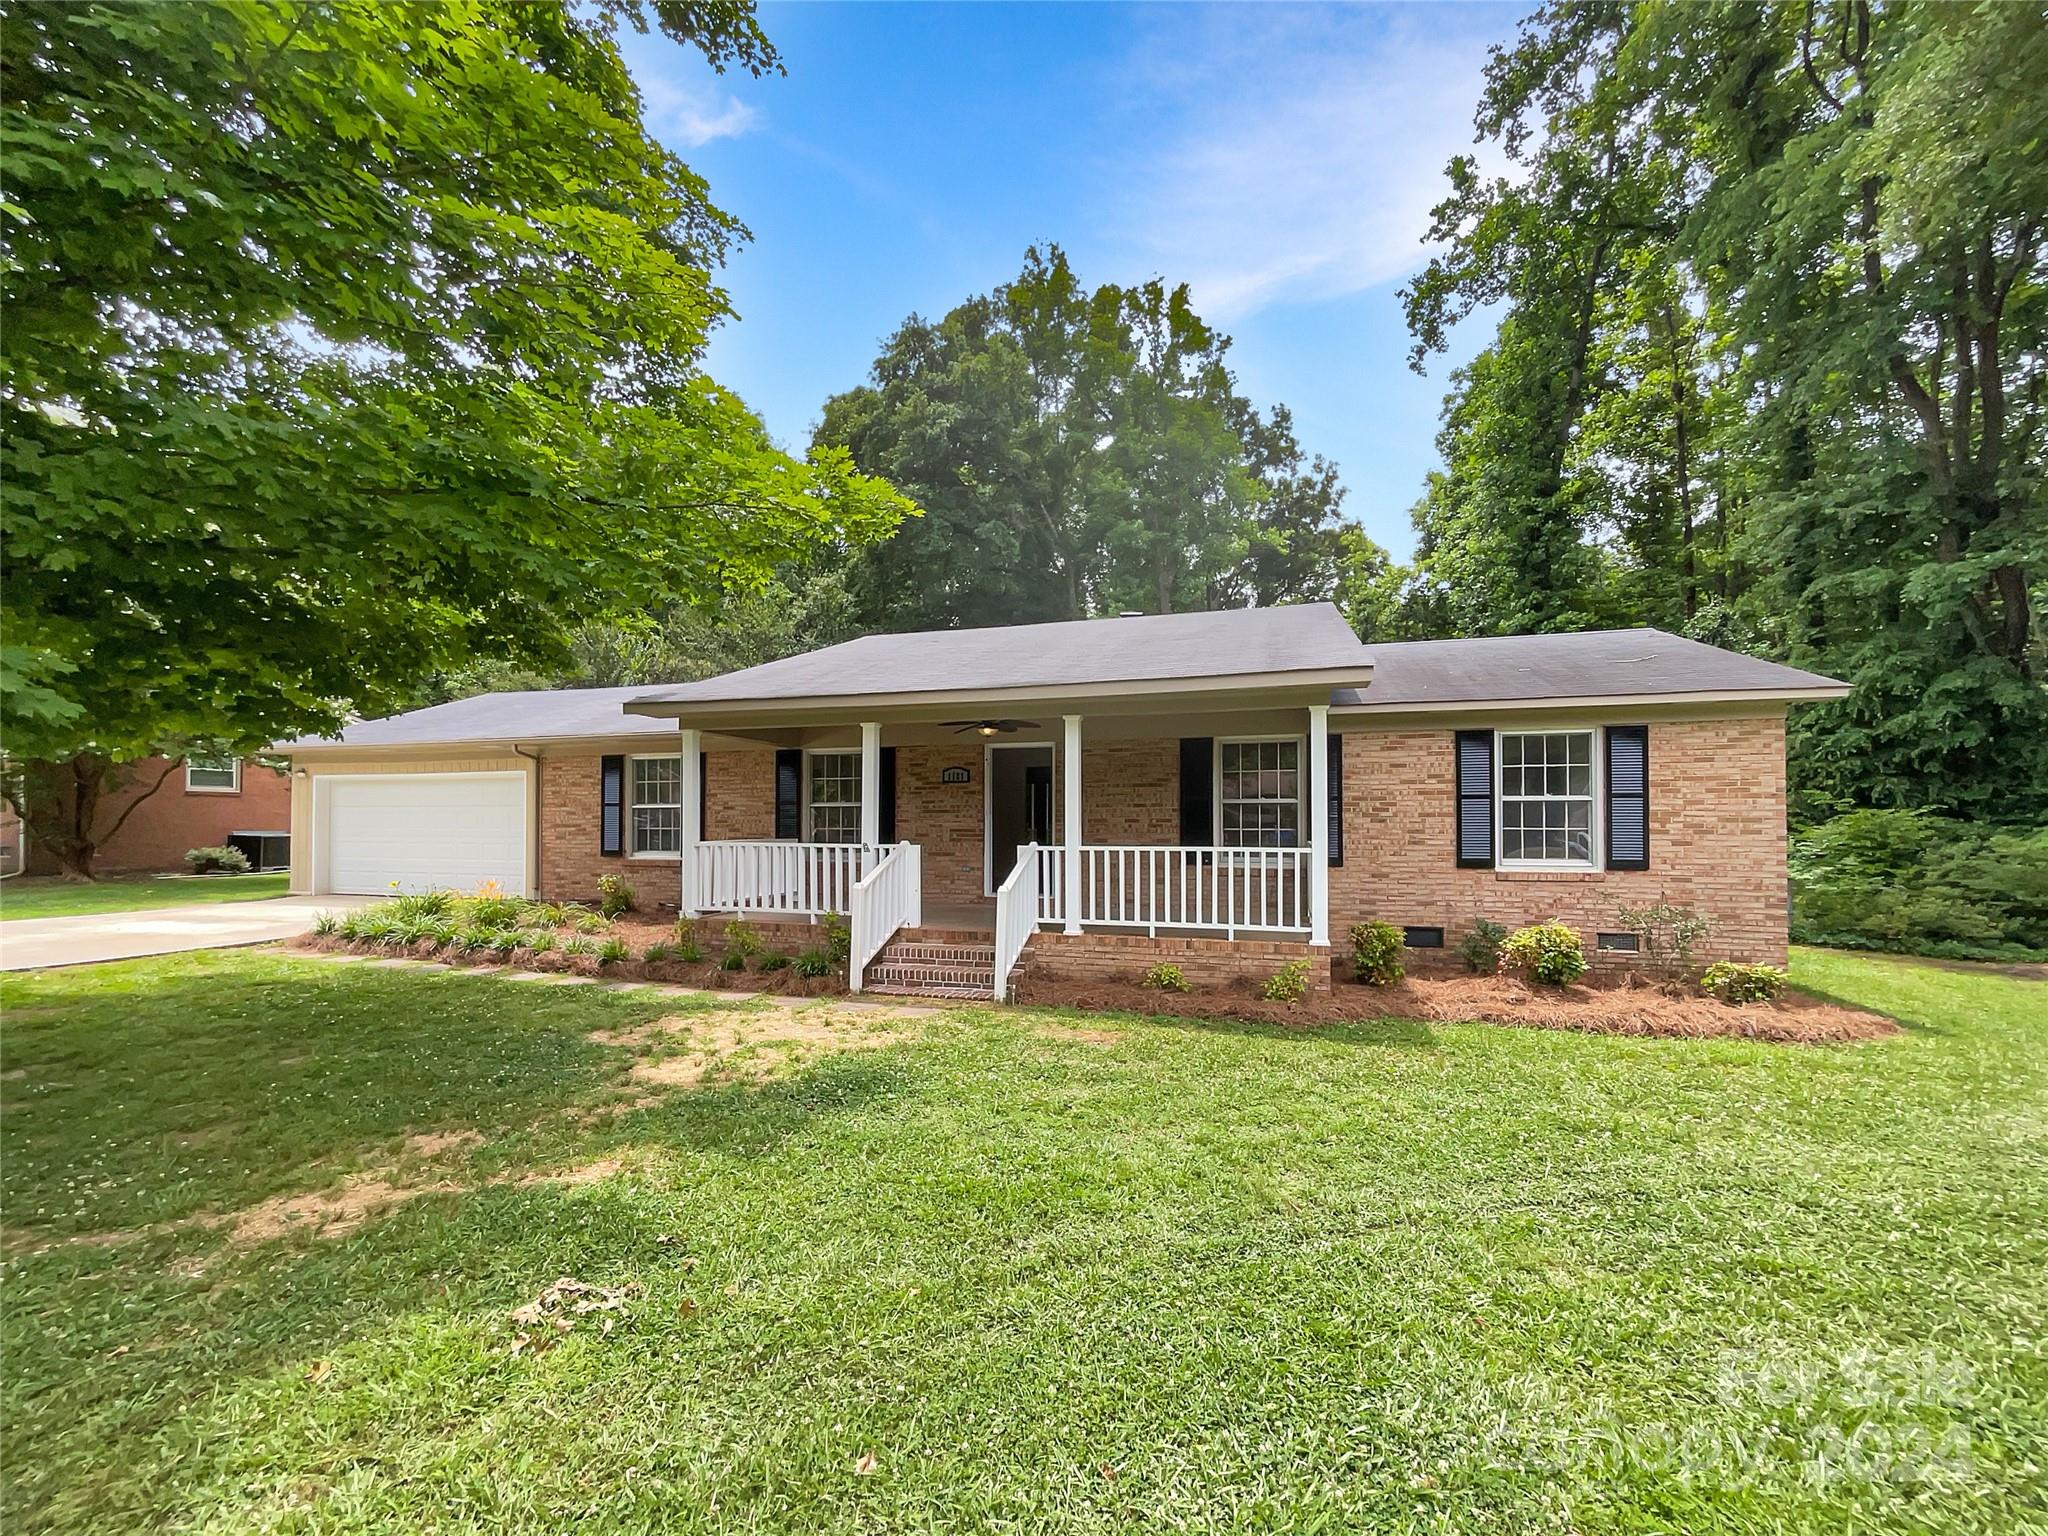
point(887, 897)
point(805, 879)
point(1171, 886)
point(1017, 914)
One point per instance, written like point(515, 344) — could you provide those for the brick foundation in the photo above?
point(1126, 957)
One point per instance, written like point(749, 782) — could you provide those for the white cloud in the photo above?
point(1298, 153)
point(686, 116)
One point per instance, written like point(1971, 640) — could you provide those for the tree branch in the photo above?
point(122, 820)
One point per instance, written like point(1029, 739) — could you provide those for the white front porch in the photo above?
point(1275, 890)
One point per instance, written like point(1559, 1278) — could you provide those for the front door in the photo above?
point(1019, 806)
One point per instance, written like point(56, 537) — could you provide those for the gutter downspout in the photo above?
point(533, 831)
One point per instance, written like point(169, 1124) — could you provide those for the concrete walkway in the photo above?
point(35, 942)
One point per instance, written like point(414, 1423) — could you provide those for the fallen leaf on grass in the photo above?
point(559, 1306)
point(318, 1370)
point(865, 1465)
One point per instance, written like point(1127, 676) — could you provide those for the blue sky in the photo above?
point(1280, 159)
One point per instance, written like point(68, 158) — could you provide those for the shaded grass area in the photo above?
point(40, 896)
point(1081, 1273)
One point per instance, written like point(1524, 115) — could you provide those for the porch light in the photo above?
point(989, 730)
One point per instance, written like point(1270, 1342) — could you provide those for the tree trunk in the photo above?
point(62, 802)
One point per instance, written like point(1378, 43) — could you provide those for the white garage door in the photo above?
point(426, 832)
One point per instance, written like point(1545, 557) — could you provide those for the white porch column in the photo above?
point(1070, 823)
point(693, 822)
point(1318, 812)
point(870, 783)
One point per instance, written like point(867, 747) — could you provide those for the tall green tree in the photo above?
point(1772, 361)
point(345, 342)
point(1076, 452)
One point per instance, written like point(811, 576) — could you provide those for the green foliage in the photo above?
point(654, 954)
point(613, 950)
point(1077, 452)
point(1166, 977)
point(489, 910)
point(1289, 984)
point(578, 945)
point(813, 962)
point(506, 940)
point(773, 960)
point(838, 938)
point(353, 341)
point(1376, 953)
point(588, 922)
point(473, 937)
point(1918, 883)
point(1545, 952)
point(1480, 948)
point(421, 904)
point(614, 895)
point(326, 923)
point(540, 941)
point(742, 938)
point(732, 960)
point(217, 860)
point(1667, 930)
point(1769, 280)
point(1740, 984)
point(686, 948)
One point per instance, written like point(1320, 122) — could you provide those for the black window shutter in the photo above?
point(703, 794)
point(1198, 791)
point(1475, 799)
point(611, 820)
point(1628, 797)
point(887, 812)
point(1336, 800)
point(789, 793)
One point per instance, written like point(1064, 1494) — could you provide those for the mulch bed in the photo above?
point(1630, 1006)
point(706, 975)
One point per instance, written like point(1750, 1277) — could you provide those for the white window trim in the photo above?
point(214, 789)
point(1597, 803)
point(1300, 790)
point(655, 855)
point(810, 832)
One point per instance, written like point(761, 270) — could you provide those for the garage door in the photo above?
point(425, 832)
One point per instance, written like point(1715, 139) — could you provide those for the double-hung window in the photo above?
point(1258, 801)
point(213, 775)
point(1547, 814)
point(833, 801)
point(655, 786)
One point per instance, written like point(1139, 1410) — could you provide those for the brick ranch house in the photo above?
point(167, 806)
point(1226, 790)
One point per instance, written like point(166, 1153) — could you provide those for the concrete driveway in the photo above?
point(35, 942)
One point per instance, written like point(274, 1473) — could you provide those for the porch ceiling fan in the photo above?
point(989, 727)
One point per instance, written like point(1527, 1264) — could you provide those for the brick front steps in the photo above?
point(924, 967)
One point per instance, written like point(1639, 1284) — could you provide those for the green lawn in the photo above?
point(39, 896)
point(1208, 1278)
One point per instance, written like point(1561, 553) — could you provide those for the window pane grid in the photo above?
point(1546, 797)
point(1259, 794)
point(210, 772)
point(835, 797)
point(656, 819)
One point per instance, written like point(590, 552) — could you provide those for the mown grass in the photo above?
point(1382, 1276)
point(40, 896)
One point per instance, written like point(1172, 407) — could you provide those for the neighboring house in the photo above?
point(201, 802)
point(1230, 787)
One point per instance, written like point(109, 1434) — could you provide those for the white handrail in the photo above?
point(1179, 886)
point(805, 879)
point(1017, 915)
point(888, 897)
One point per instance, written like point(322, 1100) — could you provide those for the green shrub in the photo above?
point(1740, 984)
point(218, 861)
point(1916, 883)
point(473, 937)
point(813, 962)
point(506, 940)
point(1166, 978)
point(1666, 931)
point(1376, 953)
point(325, 923)
point(772, 961)
point(1545, 952)
point(654, 954)
point(422, 904)
point(1480, 948)
point(589, 922)
point(686, 950)
point(733, 960)
point(1289, 984)
point(614, 896)
point(612, 951)
point(546, 914)
point(742, 939)
point(578, 945)
point(838, 937)
point(540, 942)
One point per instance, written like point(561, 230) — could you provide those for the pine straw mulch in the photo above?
point(705, 975)
point(1629, 1006)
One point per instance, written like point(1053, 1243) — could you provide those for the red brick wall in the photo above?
point(945, 820)
point(1065, 958)
point(170, 821)
point(739, 802)
point(1717, 843)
